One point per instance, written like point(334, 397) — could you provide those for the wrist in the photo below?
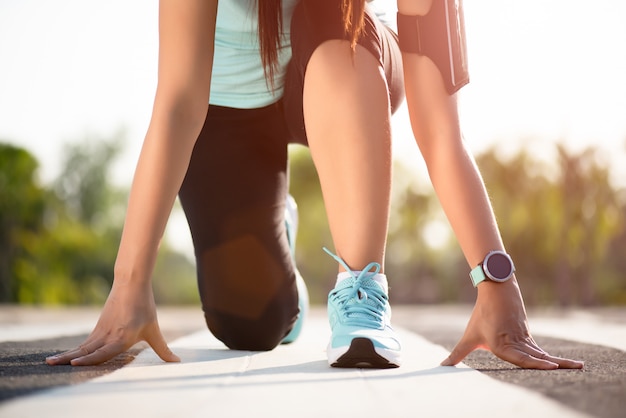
point(488, 291)
point(132, 272)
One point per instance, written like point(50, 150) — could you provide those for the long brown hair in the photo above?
point(270, 14)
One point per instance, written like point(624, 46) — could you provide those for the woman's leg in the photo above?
point(347, 120)
point(341, 104)
point(234, 198)
point(342, 108)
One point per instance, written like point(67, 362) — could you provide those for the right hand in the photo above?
point(498, 323)
point(128, 316)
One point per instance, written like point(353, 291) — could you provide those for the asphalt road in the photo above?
point(598, 390)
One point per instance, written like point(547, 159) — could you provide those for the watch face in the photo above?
point(498, 266)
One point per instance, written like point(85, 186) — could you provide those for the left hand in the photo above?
point(498, 323)
point(128, 316)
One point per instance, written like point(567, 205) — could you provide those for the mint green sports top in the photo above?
point(238, 79)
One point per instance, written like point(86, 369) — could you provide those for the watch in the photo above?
point(497, 267)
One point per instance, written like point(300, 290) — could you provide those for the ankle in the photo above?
point(379, 278)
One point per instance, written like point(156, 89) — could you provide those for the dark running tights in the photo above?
point(234, 199)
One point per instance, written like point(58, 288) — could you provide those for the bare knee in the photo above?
point(333, 65)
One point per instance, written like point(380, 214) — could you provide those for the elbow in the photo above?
point(181, 115)
point(188, 105)
point(188, 115)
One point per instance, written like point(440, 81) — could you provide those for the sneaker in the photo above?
point(359, 316)
point(291, 223)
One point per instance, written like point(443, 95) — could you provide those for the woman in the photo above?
point(228, 161)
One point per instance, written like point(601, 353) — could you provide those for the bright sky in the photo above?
point(549, 69)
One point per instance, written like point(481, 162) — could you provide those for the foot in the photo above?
point(360, 316)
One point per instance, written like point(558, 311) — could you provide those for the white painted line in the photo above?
point(24, 323)
point(581, 328)
point(43, 331)
point(290, 381)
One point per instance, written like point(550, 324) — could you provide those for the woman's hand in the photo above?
point(498, 324)
point(128, 316)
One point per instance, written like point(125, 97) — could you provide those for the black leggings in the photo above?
point(235, 189)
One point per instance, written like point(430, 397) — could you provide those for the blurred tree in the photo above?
point(69, 257)
point(562, 223)
point(58, 245)
point(22, 206)
point(88, 229)
point(527, 209)
point(592, 218)
point(84, 184)
point(423, 258)
point(557, 225)
point(612, 286)
point(69, 263)
point(317, 268)
point(174, 278)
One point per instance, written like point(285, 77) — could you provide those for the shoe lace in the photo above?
point(360, 304)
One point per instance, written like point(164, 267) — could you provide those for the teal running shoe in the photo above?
point(291, 223)
point(360, 320)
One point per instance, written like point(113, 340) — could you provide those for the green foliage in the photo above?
point(558, 230)
point(67, 264)
point(84, 185)
point(422, 257)
point(418, 269)
point(317, 268)
point(22, 205)
point(563, 225)
point(58, 245)
point(174, 279)
point(57, 250)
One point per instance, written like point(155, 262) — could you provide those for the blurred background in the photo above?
point(544, 114)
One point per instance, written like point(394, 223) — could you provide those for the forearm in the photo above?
point(160, 171)
point(454, 174)
point(463, 197)
point(186, 38)
point(452, 169)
